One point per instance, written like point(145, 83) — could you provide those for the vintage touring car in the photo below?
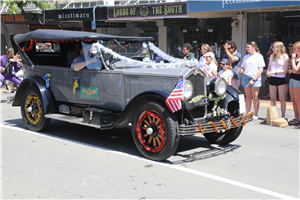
point(162, 101)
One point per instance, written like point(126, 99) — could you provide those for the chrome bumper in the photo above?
point(216, 126)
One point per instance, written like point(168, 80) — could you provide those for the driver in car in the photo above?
point(80, 62)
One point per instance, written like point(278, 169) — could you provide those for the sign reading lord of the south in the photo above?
point(148, 11)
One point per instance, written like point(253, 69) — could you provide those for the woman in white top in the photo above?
point(278, 66)
point(252, 66)
point(210, 68)
point(204, 49)
point(226, 73)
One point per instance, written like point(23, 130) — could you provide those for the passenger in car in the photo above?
point(80, 62)
point(73, 53)
point(48, 47)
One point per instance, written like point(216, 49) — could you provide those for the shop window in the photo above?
point(214, 32)
point(77, 5)
point(85, 5)
point(93, 4)
point(62, 5)
point(265, 28)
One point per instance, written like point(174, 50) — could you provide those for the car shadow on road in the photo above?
point(120, 139)
point(209, 152)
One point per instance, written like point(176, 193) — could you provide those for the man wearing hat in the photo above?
point(210, 68)
point(7, 62)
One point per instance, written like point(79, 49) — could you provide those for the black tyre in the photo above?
point(155, 130)
point(224, 138)
point(32, 110)
point(230, 135)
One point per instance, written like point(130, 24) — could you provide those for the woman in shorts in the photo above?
point(252, 66)
point(277, 69)
point(295, 83)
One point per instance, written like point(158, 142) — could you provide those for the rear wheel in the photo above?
point(155, 131)
point(32, 110)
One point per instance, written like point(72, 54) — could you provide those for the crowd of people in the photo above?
point(283, 68)
point(282, 64)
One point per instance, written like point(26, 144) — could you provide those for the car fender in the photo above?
point(46, 95)
point(126, 116)
point(232, 95)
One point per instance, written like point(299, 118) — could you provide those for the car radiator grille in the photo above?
point(199, 84)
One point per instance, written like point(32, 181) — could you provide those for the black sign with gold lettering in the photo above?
point(38, 26)
point(148, 11)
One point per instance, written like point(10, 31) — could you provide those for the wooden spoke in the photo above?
point(146, 135)
point(157, 122)
point(149, 118)
point(144, 128)
point(150, 140)
point(159, 136)
point(158, 141)
point(162, 132)
point(154, 142)
point(153, 120)
point(146, 122)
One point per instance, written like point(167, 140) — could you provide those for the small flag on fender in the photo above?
point(174, 99)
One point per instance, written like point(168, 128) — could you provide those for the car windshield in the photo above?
point(128, 49)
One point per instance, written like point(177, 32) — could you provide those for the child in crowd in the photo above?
point(226, 73)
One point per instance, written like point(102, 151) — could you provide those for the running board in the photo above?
point(74, 120)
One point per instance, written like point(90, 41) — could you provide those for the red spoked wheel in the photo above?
point(150, 131)
point(155, 130)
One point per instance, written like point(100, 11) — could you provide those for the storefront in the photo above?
point(15, 24)
point(77, 19)
point(262, 21)
point(146, 20)
point(267, 27)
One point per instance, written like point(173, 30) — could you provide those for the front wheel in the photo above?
point(155, 131)
point(32, 110)
point(224, 138)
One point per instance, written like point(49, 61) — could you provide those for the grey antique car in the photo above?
point(161, 101)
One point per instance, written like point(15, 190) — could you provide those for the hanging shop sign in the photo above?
point(181, 22)
point(17, 19)
point(85, 14)
point(37, 26)
point(100, 24)
point(148, 11)
point(221, 5)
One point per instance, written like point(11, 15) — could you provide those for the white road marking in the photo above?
point(191, 171)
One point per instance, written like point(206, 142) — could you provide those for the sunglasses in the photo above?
point(202, 49)
point(230, 48)
point(250, 43)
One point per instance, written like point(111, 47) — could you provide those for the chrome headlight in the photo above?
point(187, 89)
point(220, 86)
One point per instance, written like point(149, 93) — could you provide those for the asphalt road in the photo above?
point(75, 162)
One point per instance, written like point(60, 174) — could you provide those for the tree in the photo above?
point(13, 7)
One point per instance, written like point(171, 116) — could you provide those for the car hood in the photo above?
point(172, 72)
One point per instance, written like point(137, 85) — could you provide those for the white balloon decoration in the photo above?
point(174, 62)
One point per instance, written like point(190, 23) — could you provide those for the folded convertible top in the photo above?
point(48, 35)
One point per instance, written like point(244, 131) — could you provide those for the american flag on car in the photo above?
point(174, 99)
